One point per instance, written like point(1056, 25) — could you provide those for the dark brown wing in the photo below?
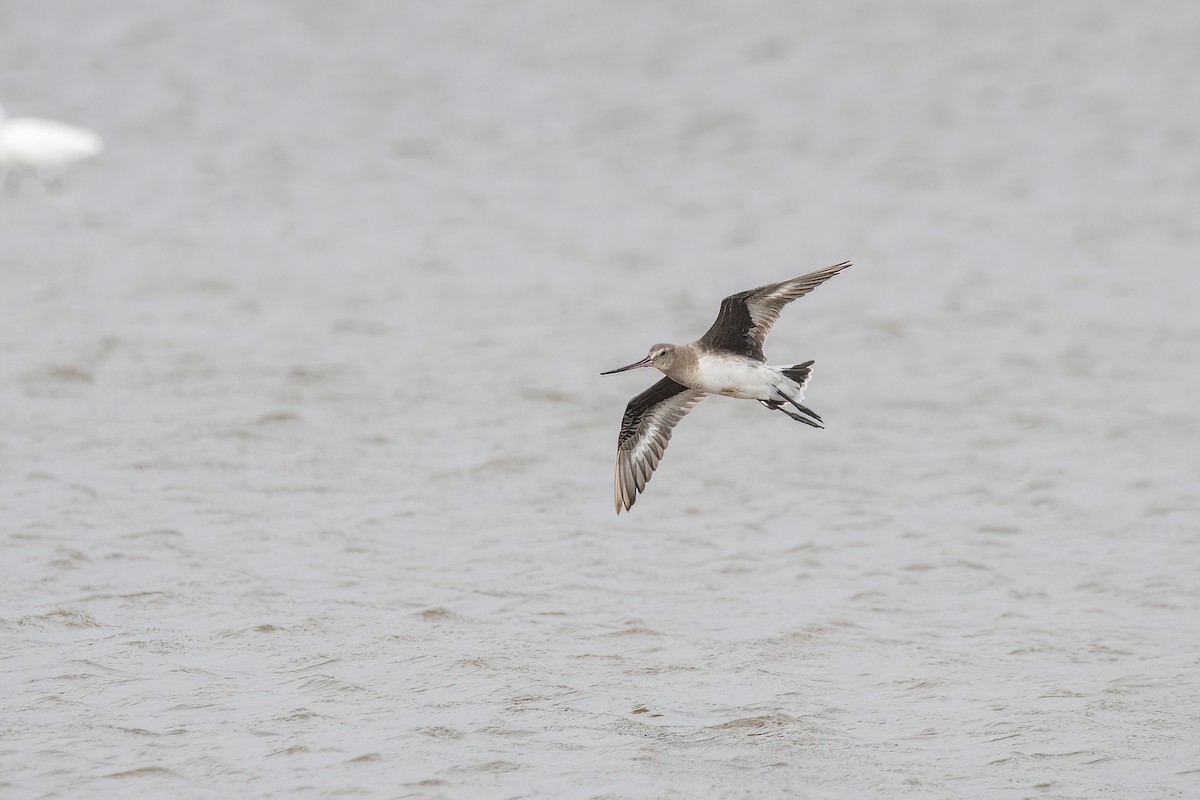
point(746, 318)
point(645, 431)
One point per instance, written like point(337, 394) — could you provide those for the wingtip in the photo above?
point(619, 499)
point(622, 498)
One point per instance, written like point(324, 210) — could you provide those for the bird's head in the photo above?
point(661, 356)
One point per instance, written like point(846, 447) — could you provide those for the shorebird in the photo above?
point(42, 147)
point(727, 360)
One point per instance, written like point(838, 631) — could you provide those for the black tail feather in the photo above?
point(800, 373)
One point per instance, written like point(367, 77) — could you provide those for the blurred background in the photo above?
point(305, 476)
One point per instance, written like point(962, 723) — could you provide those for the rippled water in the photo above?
point(305, 469)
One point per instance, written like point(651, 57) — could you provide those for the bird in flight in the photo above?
point(42, 147)
point(727, 360)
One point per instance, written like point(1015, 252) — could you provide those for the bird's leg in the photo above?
point(806, 410)
point(776, 405)
point(802, 409)
point(799, 418)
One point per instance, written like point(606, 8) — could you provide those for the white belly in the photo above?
point(735, 377)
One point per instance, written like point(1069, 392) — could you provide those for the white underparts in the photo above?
point(734, 376)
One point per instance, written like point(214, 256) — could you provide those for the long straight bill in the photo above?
point(645, 362)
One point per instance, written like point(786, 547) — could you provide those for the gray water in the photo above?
point(305, 463)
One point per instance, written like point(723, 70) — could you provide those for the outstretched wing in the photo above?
point(746, 318)
point(645, 431)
